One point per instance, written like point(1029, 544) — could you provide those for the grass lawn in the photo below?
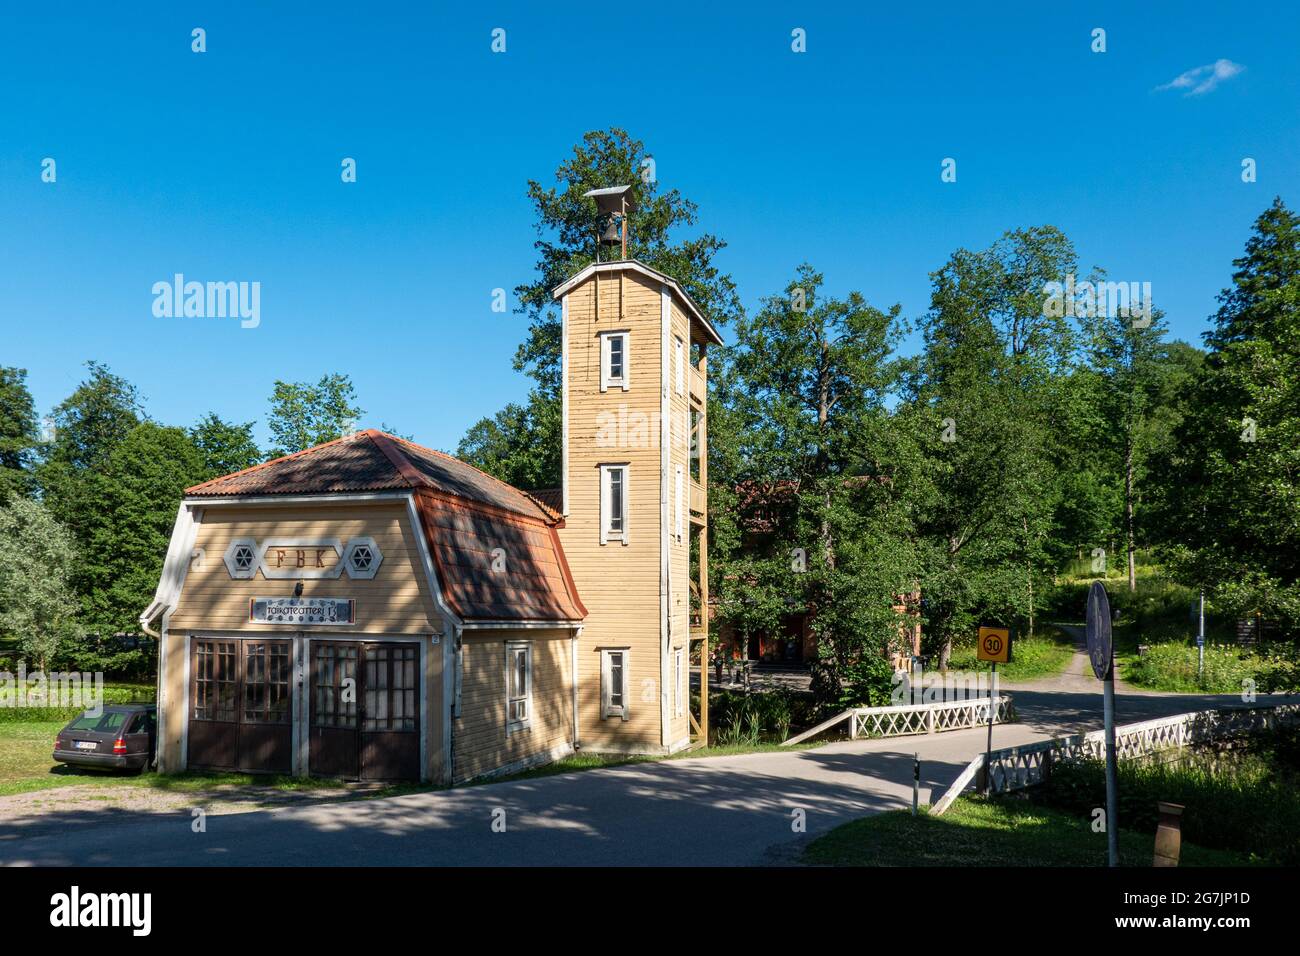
point(1031, 657)
point(25, 756)
point(26, 765)
point(1003, 832)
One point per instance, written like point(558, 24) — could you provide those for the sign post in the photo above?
point(994, 646)
point(1200, 642)
point(1102, 655)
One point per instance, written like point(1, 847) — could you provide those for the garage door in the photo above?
point(241, 705)
point(365, 710)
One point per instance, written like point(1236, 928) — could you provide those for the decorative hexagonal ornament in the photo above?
point(242, 558)
point(362, 558)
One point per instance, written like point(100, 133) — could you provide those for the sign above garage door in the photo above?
point(313, 558)
point(296, 610)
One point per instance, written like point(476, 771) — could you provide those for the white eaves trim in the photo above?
point(635, 266)
point(180, 551)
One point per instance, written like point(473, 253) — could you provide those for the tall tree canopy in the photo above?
point(521, 443)
point(811, 471)
point(1232, 525)
point(226, 447)
point(138, 489)
point(304, 414)
point(19, 434)
point(989, 388)
point(88, 426)
point(37, 557)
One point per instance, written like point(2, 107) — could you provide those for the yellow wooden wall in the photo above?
point(480, 744)
point(396, 601)
point(619, 584)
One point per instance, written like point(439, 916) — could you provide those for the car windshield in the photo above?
point(106, 723)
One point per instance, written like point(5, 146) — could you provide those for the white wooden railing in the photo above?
point(1014, 768)
point(903, 719)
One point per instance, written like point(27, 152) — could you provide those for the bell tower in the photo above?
point(634, 480)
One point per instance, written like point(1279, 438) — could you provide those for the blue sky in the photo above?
point(225, 166)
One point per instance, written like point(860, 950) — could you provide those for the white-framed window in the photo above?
point(681, 365)
point(615, 358)
point(614, 697)
point(679, 492)
point(679, 682)
point(613, 503)
point(519, 685)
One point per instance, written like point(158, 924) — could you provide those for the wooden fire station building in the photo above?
point(373, 609)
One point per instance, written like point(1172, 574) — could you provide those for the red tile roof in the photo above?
point(372, 461)
point(465, 514)
point(534, 583)
point(553, 498)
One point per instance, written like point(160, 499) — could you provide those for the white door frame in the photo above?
point(302, 689)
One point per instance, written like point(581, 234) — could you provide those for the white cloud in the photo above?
point(1203, 79)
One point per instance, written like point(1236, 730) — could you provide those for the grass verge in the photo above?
point(1002, 832)
point(1042, 655)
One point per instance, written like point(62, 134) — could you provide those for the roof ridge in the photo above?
point(546, 509)
point(272, 461)
point(384, 442)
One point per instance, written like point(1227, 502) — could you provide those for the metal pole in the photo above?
point(988, 749)
point(1112, 786)
point(916, 782)
point(1200, 642)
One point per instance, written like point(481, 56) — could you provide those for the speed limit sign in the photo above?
point(994, 645)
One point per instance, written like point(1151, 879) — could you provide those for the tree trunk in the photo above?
point(1029, 577)
point(1128, 515)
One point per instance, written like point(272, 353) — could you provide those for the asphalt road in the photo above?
point(699, 811)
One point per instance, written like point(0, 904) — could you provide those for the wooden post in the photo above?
point(702, 450)
point(1169, 834)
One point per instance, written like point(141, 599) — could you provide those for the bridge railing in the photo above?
point(1014, 768)
point(904, 719)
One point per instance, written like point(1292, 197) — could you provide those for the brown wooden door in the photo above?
point(241, 705)
point(214, 705)
point(334, 746)
point(266, 717)
point(390, 724)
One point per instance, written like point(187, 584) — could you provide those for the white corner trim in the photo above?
point(665, 548)
point(564, 406)
point(180, 551)
point(450, 620)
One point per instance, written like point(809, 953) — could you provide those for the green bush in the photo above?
point(759, 717)
point(1237, 800)
point(866, 682)
point(113, 694)
point(1173, 667)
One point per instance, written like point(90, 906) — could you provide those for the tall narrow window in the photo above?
point(613, 503)
point(613, 684)
point(519, 685)
point(677, 514)
point(679, 673)
point(614, 360)
point(681, 366)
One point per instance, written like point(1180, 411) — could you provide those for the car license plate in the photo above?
point(86, 745)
